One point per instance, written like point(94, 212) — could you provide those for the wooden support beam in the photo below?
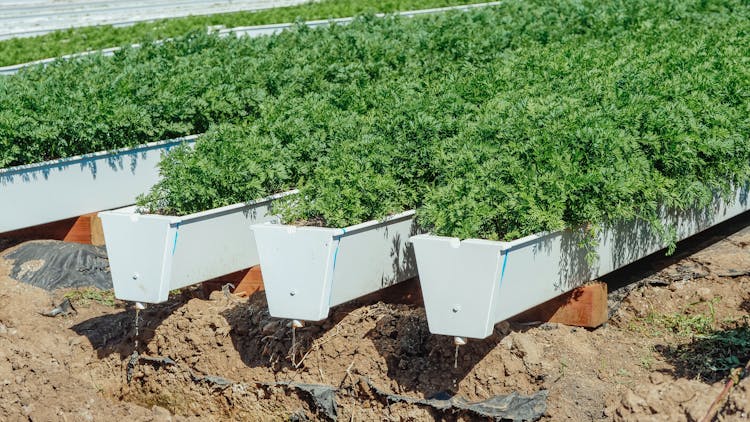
point(585, 306)
point(407, 292)
point(84, 229)
point(97, 230)
point(251, 282)
point(246, 282)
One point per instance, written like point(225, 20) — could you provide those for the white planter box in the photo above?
point(149, 255)
point(307, 270)
point(468, 286)
point(55, 190)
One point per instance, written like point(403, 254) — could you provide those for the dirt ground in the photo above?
point(668, 350)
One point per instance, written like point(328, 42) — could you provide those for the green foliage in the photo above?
point(706, 348)
point(21, 50)
point(494, 123)
point(625, 113)
point(685, 325)
point(253, 166)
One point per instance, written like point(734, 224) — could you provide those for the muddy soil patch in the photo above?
point(224, 358)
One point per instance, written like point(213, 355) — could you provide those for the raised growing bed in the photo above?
point(246, 31)
point(307, 270)
point(470, 285)
point(54, 190)
point(270, 29)
point(149, 254)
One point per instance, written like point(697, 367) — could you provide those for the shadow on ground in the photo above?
point(115, 333)
point(415, 359)
point(711, 356)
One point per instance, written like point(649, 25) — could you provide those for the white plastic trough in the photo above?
point(468, 286)
point(149, 255)
point(55, 190)
point(307, 270)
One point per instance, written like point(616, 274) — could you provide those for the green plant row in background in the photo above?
point(21, 50)
point(145, 94)
point(497, 123)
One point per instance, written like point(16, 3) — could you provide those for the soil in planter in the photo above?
point(223, 358)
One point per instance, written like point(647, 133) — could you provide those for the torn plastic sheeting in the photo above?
point(158, 360)
point(51, 265)
point(324, 397)
point(65, 308)
point(514, 406)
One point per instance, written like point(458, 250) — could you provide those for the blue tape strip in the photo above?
point(502, 272)
point(335, 255)
point(336, 252)
point(176, 234)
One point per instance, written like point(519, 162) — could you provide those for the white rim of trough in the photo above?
point(250, 31)
point(152, 254)
point(307, 270)
point(470, 285)
point(93, 155)
point(54, 190)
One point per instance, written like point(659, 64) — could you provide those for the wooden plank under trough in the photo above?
point(246, 282)
point(585, 306)
point(85, 229)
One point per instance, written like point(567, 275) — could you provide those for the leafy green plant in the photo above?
point(21, 50)
point(254, 166)
point(688, 322)
point(603, 125)
point(687, 325)
point(85, 296)
point(527, 117)
point(172, 89)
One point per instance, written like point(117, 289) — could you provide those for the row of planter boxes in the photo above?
point(468, 285)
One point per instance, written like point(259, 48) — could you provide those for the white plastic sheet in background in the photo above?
point(26, 18)
point(247, 31)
